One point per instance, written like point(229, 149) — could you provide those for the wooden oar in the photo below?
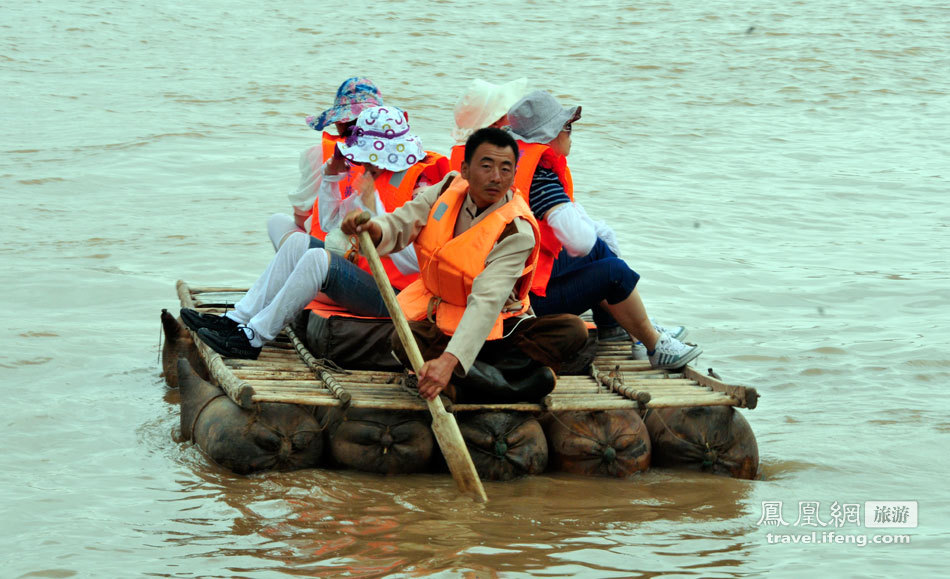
point(444, 426)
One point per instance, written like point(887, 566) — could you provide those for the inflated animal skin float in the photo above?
point(505, 441)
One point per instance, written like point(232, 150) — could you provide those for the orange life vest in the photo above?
point(345, 185)
point(530, 156)
point(395, 189)
point(457, 155)
point(449, 264)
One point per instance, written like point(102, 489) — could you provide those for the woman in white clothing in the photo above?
point(354, 95)
point(298, 273)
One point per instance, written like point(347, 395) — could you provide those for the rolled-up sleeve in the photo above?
point(574, 230)
point(311, 176)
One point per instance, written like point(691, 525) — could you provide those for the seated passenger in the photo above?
point(354, 95)
point(469, 310)
point(577, 270)
point(384, 146)
point(484, 104)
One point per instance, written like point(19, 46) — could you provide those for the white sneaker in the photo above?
point(675, 332)
point(639, 351)
point(671, 354)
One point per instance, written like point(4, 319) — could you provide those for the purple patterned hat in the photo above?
point(354, 95)
point(382, 137)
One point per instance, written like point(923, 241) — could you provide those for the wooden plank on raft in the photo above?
point(238, 390)
point(287, 372)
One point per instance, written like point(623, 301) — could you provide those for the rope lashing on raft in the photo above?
point(614, 383)
point(321, 370)
point(198, 415)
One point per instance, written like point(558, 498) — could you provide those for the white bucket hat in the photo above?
point(539, 118)
point(382, 137)
point(483, 104)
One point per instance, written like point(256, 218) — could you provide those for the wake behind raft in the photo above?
point(325, 393)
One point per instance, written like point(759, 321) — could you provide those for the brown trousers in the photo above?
point(548, 340)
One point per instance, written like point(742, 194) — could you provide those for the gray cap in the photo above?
point(539, 118)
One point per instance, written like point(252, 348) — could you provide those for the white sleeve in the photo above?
point(311, 176)
point(575, 233)
point(332, 207)
point(602, 230)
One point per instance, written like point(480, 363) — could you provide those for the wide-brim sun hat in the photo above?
point(382, 137)
point(539, 118)
point(483, 104)
point(354, 95)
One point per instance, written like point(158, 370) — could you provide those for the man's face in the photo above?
point(490, 174)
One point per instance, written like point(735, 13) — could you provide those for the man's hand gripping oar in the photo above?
point(446, 430)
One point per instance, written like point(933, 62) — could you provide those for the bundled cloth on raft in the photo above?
point(327, 393)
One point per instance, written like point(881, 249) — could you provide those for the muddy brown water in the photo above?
point(777, 173)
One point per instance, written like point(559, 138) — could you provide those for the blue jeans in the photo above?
point(353, 289)
point(579, 284)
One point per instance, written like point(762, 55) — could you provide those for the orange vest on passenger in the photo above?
point(345, 185)
point(530, 155)
point(449, 264)
point(456, 156)
point(394, 190)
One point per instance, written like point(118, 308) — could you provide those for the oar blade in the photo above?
point(444, 427)
point(449, 437)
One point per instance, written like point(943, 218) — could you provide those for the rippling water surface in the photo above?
point(778, 173)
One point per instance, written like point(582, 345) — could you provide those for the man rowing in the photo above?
point(469, 311)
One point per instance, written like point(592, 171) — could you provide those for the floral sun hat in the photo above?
point(382, 137)
point(483, 104)
point(539, 118)
point(354, 95)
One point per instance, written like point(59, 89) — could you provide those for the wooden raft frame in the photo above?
point(286, 372)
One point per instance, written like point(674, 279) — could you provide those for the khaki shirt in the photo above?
point(492, 289)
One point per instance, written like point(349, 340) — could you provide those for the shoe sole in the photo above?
point(226, 354)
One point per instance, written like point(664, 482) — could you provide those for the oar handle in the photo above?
point(389, 296)
point(444, 427)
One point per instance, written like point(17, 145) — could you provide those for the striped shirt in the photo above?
point(546, 192)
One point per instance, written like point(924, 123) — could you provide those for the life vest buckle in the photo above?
point(434, 302)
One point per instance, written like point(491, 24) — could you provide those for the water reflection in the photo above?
point(331, 523)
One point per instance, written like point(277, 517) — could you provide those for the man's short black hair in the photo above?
point(492, 136)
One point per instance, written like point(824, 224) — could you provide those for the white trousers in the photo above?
point(280, 226)
point(291, 280)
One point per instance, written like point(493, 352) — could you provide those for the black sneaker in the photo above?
point(612, 334)
point(195, 320)
point(233, 344)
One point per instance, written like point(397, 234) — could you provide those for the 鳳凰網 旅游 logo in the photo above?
point(869, 514)
point(819, 523)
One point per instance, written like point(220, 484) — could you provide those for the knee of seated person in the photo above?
point(572, 334)
point(280, 220)
point(576, 329)
point(300, 236)
point(315, 256)
point(279, 228)
point(294, 245)
point(622, 280)
point(572, 329)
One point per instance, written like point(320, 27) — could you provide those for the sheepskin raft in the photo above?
point(285, 371)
